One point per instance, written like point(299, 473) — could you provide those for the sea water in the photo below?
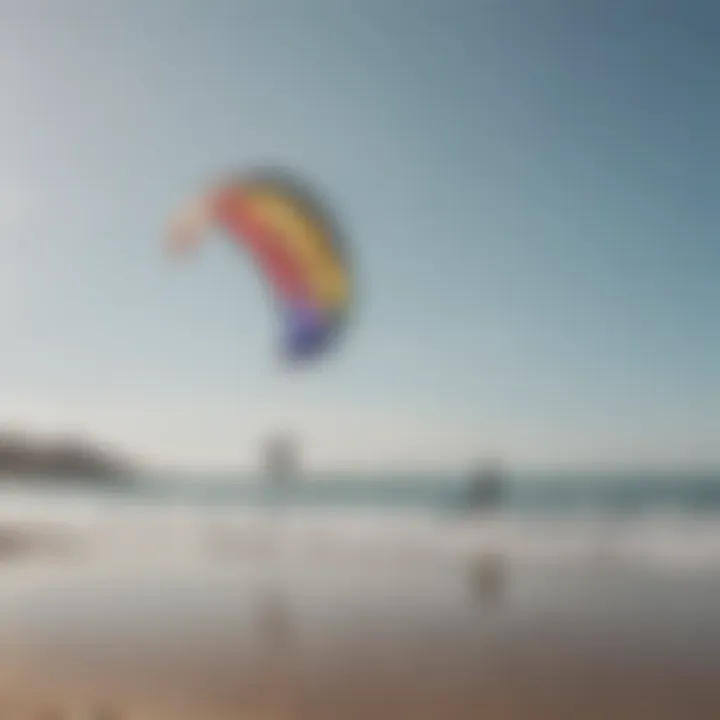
point(662, 520)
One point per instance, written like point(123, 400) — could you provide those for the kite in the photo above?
point(295, 244)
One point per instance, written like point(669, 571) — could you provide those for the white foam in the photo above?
point(105, 529)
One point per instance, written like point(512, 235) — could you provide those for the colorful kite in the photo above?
point(293, 241)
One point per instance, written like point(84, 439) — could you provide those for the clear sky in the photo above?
point(531, 189)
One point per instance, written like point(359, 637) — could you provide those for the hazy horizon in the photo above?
point(150, 468)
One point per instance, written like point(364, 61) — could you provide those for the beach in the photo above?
point(172, 604)
point(360, 360)
point(322, 638)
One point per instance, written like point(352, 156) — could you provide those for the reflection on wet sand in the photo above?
point(488, 578)
point(18, 542)
point(327, 641)
point(274, 622)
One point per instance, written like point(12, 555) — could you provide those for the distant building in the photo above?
point(281, 459)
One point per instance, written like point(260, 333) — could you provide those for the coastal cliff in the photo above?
point(21, 454)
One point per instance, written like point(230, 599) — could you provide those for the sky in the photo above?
point(530, 190)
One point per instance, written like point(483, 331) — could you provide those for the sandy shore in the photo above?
point(363, 642)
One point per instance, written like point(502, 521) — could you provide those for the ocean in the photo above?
point(662, 520)
point(533, 493)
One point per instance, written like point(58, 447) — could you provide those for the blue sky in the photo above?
point(530, 189)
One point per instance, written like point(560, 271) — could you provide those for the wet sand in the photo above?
point(368, 641)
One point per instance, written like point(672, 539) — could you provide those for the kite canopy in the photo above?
point(294, 243)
